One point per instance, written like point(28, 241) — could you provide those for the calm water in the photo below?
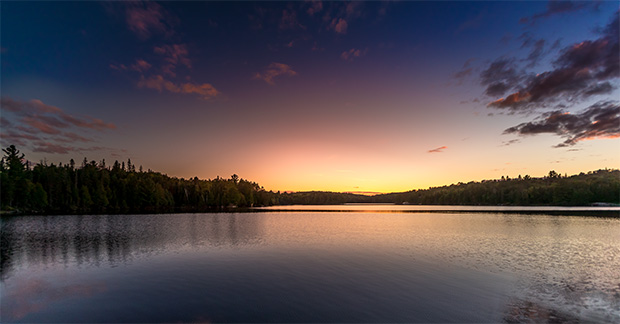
point(361, 265)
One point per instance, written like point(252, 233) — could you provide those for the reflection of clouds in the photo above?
point(113, 239)
point(36, 295)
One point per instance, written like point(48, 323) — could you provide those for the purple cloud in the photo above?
point(159, 83)
point(601, 120)
point(275, 70)
point(47, 128)
point(147, 18)
point(353, 53)
point(582, 70)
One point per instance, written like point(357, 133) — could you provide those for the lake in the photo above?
point(349, 263)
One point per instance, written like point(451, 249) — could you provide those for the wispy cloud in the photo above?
point(438, 150)
point(510, 142)
point(147, 18)
point(161, 78)
point(275, 70)
point(139, 66)
point(465, 71)
point(537, 49)
point(47, 147)
point(37, 123)
point(70, 137)
point(17, 138)
point(289, 20)
point(5, 123)
point(472, 23)
point(556, 7)
point(601, 120)
point(35, 112)
point(339, 25)
point(174, 55)
point(338, 15)
point(500, 76)
point(315, 7)
point(159, 83)
point(353, 53)
point(46, 128)
point(53, 148)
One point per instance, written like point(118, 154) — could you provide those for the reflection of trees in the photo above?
point(115, 239)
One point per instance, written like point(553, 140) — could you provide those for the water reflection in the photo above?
point(114, 239)
point(306, 266)
point(36, 295)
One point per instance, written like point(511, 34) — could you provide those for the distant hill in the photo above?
point(602, 186)
point(596, 187)
point(99, 188)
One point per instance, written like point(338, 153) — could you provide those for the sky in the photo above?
point(315, 95)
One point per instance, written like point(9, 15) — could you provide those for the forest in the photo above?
point(120, 188)
point(95, 187)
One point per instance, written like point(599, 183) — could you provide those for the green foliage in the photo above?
point(97, 188)
point(321, 198)
point(602, 186)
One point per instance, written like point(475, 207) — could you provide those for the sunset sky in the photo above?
point(338, 96)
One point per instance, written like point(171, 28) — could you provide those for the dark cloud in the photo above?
point(54, 148)
point(47, 147)
point(601, 120)
point(510, 142)
point(500, 76)
point(556, 7)
point(582, 70)
point(438, 150)
point(599, 88)
point(538, 49)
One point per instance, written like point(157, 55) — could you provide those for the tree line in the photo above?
point(602, 186)
point(98, 188)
